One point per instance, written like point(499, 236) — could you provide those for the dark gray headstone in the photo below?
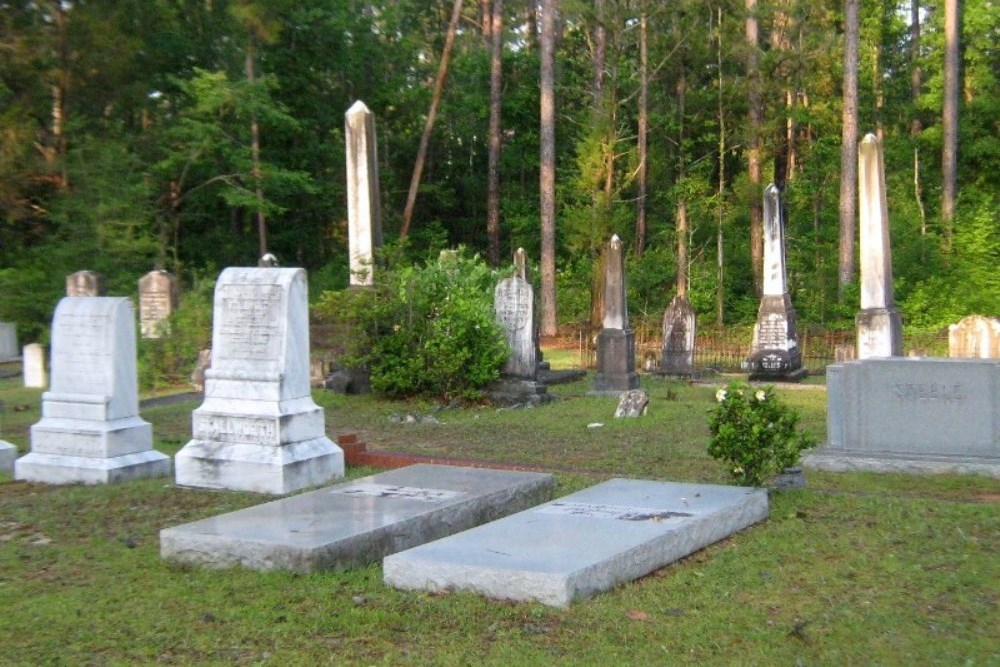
point(677, 355)
point(616, 342)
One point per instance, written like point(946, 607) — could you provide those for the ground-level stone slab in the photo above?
point(8, 454)
point(582, 544)
point(358, 522)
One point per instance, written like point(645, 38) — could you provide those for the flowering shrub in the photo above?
point(754, 433)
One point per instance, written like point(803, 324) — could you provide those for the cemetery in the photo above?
point(619, 378)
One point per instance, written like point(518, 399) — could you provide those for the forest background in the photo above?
point(194, 134)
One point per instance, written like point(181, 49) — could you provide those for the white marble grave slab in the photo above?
point(582, 544)
point(357, 522)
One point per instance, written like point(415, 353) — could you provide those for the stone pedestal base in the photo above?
point(880, 333)
point(70, 451)
point(511, 391)
point(777, 366)
point(8, 454)
point(615, 363)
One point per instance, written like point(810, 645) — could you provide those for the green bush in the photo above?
point(422, 330)
point(168, 361)
point(754, 433)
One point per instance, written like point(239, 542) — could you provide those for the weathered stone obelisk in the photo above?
point(364, 213)
point(774, 352)
point(616, 342)
point(880, 329)
point(677, 354)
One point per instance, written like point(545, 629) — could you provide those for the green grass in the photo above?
point(856, 569)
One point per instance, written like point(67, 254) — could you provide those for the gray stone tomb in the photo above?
point(355, 523)
point(33, 361)
point(880, 329)
point(679, 328)
point(364, 217)
point(8, 341)
point(616, 341)
point(157, 301)
point(581, 544)
point(90, 430)
point(84, 283)
point(258, 428)
point(774, 351)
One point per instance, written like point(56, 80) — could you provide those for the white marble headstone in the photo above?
point(34, 366)
point(258, 428)
point(157, 301)
point(514, 304)
point(364, 217)
point(90, 430)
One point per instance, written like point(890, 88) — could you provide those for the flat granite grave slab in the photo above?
point(355, 523)
point(582, 544)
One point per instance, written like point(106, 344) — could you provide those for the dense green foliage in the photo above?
point(422, 329)
point(126, 141)
point(754, 433)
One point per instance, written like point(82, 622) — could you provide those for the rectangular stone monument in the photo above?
point(677, 354)
point(912, 415)
point(90, 430)
point(974, 337)
point(33, 361)
point(357, 522)
point(364, 211)
point(880, 329)
point(8, 341)
point(514, 306)
point(581, 544)
point(8, 454)
point(84, 283)
point(258, 428)
point(616, 342)
point(774, 350)
point(157, 301)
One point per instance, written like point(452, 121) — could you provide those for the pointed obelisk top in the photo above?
point(876, 257)
point(775, 276)
point(615, 306)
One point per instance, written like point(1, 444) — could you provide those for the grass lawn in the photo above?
point(855, 569)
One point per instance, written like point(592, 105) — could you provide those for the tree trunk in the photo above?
point(55, 154)
point(682, 218)
point(949, 117)
point(442, 76)
point(547, 170)
point(600, 49)
point(916, 126)
point(720, 265)
point(643, 130)
point(849, 148)
point(493, 174)
point(756, 119)
point(255, 170)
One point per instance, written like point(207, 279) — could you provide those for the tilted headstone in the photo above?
point(364, 216)
point(880, 329)
point(8, 341)
point(514, 307)
point(157, 301)
point(974, 337)
point(90, 430)
point(677, 354)
point(201, 365)
point(774, 351)
point(632, 404)
point(258, 428)
point(34, 366)
point(84, 283)
point(616, 342)
point(521, 270)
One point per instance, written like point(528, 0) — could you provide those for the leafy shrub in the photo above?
point(422, 330)
point(754, 433)
point(169, 360)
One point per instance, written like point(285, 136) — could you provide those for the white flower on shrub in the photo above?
point(760, 395)
point(720, 395)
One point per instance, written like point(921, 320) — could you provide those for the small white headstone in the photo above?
point(34, 366)
point(90, 430)
point(258, 428)
point(157, 301)
point(84, 283)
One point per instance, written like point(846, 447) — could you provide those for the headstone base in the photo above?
point(357, 522)
point(777, 366)
point(8, 454)
point(580, 544)
point(90, 438)
point(880, 333)
point(615, 363)
point(277, 469)
point(63, 469)
point(511, 391)
point(838, 460)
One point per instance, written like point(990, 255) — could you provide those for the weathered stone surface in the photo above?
point(632, 404)
point(33, 361)
point(514, 306)
point(880, 329)
point(364, 212)
point(974, 337)
point(258, 428)
point(8, 454)
point(355, 523)
point(679, 323)
point(84, 283)
point(582, 544)
point(912, 414)
point(203, 363)
point(8, 341)
point(616, 341)
point(90, 431)
point(158, 297)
